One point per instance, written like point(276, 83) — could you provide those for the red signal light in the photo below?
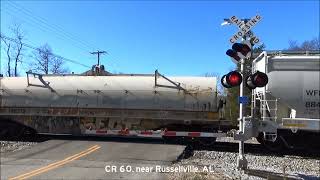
point(234, 79)
point(258, 79)
point(233, 54)
point(231, 79)
point(244, 49)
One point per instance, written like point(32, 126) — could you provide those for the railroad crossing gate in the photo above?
point(245, 29)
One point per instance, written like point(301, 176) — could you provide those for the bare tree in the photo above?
point(18, 47)
point(45, 62)
point(57, 66)
point(313, 44)
point(14, 49)
point(293, 45)
point(220, 88)
point(8, 49)
point(42, 58)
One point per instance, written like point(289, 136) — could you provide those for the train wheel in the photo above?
point(29, 133)
point(4, 133)
point(9, 132)
point(274, 146)
point(174, 140)
point(169, 139)
point(15, 131)
point(206, 141)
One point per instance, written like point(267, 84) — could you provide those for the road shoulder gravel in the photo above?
point(223, 165)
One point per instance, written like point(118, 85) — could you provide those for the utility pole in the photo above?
point(98, 53)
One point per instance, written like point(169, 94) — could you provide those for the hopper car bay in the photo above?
point(284, 113)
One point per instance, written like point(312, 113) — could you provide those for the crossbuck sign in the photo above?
point(245, 29)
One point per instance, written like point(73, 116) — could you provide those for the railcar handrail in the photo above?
point(45, 84)
point(176, 85)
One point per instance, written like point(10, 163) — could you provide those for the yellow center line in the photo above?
point(56, 164)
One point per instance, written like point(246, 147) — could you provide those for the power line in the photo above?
point(59, 27)
point(51, 25)
point(45, 25)
point(40, 26)
point(38, 49)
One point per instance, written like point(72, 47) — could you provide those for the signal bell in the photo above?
point(231, 79)
point(258, 79)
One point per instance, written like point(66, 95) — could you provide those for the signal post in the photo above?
point(238, 54)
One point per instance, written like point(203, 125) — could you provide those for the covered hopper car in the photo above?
point(286, 112)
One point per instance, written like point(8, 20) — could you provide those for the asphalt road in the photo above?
point(83, 159)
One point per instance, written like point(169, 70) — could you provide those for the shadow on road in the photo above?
point(46, 137)
point(256, 149)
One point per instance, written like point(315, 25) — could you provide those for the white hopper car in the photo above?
point(289, 106)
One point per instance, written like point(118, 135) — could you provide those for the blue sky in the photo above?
point(178, 38)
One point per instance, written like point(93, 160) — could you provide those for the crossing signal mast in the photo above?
point(238, 53)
